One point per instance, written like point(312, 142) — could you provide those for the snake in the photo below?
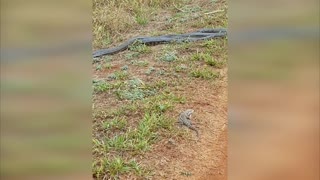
point(202, 34)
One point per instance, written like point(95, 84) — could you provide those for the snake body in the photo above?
point(203, 34)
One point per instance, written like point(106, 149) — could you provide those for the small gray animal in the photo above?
point(185, 119)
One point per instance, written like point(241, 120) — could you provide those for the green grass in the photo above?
point(116, 123)
point(181, 68)
point(118, 75)
point(204, 74)
point(169, 56)
point(101, 86)
point(142, 20)
point(107, 66)
point(139, 47)
point(150, 70)
point(214, 63)
point(208, 59)
point(116, 166)
point(139, 63)
point(136, 140)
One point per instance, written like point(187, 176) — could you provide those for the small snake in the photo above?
point(203, 34)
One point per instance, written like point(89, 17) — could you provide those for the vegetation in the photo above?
point(136, 92)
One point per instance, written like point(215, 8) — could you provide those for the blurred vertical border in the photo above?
point(273, 109)
point(46, 89)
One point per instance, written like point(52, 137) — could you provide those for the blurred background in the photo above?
point(273, 109)
point(46, 89)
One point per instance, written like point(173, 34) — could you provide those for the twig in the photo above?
point(214, 12)
point(174, 5)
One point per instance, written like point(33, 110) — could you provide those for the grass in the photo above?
point(139, 63)
point(204, 74)
point(135, 96)
point(208, 59)
point(142, 20)
point(119, 75)
point(116, 166)
point(136, 141)
point(139, 48)
point(169, 57)
point(116, 123)
point(125, 15)
point(101, 86)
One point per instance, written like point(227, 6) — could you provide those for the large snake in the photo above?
point(203, 34)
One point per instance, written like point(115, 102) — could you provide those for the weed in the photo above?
point(134, 94)
point(118, 142)
point(181, 68)
point(204, 74)
point(116, 166)
point(98, 67)
point(121, 75)
point(132, 55)
point(135, 82)
point(125, 67)
point(139, 63)
point(142, 20)
point(107, 66)
point(136, 167)
point(169, 56)
point(161, 72)
point(107, 58)
point(161, 103)
point(214, 63)
point(200, 56)
point(101, 86)
point(150, 70)
point(139, 47)
point(116, 123)
point(185, 46)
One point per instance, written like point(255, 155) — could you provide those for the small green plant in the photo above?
point(161, 72)
point(134, 94)
point(204, 74)
point(132, 55)
point(121, 75)
point(107, 58)
point(135, 82)
point(169, 56)
point(136, 167)
point(181, 68)
point(118, 142)
point(139, 47)
point(142, 20)
point(125, 67)
point(214, 63)
point(139, 63)
point(98, 67)
point(101, 86)
point(212, 43)
point(200, 56)
point(116, 166)
point(150, 70)
point(107, 66)
point(116, 123)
